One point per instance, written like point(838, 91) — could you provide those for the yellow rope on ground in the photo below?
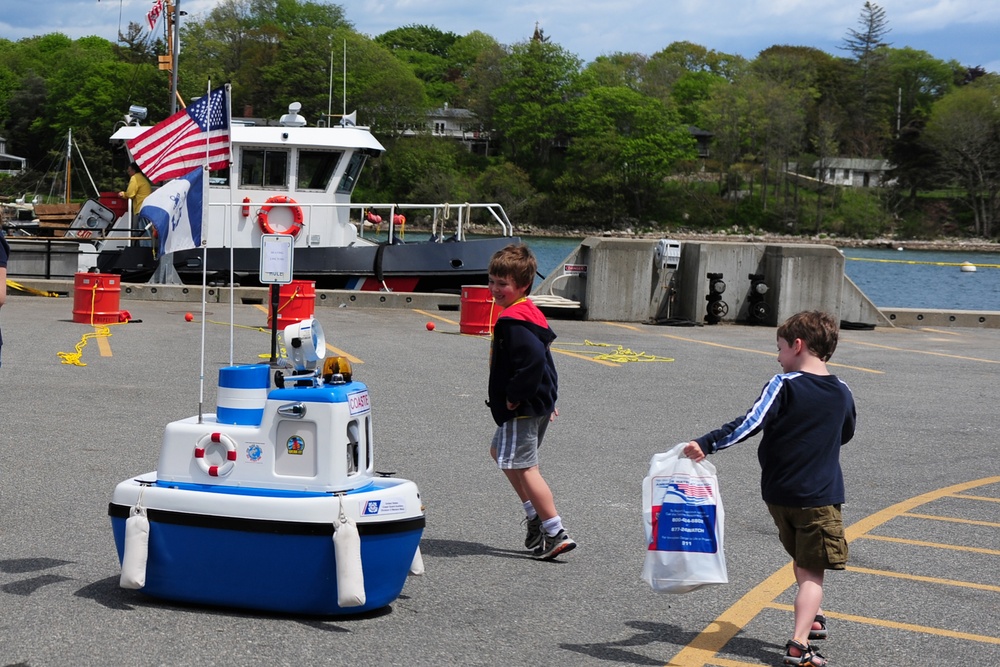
point(30, 290)
point(73, 358)
point(620, 355)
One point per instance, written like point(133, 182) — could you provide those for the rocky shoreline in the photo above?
point(946, 244)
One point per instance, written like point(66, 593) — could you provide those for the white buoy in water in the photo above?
point(968, 267)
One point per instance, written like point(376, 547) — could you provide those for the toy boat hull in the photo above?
point(269, 549)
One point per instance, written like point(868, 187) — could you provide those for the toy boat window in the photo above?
point(262, 168)
point(316, 169)
point(353, 445)
point(370, 460)
point(351, 173)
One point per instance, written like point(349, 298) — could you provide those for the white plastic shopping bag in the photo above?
point(684, 524)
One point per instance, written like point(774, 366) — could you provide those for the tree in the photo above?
point(920, 80)
point(871, 93)
point(964, 129)
point(479, 58)
point(622, 147)
point(426, 50)
point(255, 43)
point(538, 78)
point(617, 69)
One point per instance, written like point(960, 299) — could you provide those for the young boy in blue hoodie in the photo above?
point(523, 386)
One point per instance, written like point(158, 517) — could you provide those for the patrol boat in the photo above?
point(292, 177)
point(272, 503)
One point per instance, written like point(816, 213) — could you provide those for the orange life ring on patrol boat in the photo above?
point(297, 218)
point(225, 441)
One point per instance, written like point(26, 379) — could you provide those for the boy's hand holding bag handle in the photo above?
point(683, 518)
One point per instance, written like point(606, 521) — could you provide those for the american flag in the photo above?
point(154, 14)
point(188, 139)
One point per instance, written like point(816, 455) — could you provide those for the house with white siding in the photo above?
point(852, 172)
point(10, 164)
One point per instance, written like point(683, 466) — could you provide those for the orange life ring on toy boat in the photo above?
point(297, 218)
point(225, 441)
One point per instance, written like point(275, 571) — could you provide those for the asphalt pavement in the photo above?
point(923, 485)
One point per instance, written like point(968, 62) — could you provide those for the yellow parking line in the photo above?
point(103, 345)
point(701, 650)
point(927, 352)
point(725, 662)
point(926, 580)
point(436, 316)
point(989, 499)
point(935, 517)
point(895, 625)
point(934, 545)
point(770, 354)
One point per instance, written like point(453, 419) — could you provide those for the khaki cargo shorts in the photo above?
point(812, 536)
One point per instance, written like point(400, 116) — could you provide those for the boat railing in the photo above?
point(443, 217)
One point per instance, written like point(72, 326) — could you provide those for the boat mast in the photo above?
point(69, 158)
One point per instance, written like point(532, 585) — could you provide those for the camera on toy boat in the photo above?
point(306, 348)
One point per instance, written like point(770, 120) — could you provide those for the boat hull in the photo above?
point(269, 550)
point(405, 267)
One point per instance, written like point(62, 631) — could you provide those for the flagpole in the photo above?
point(232, 227)
point(204, 246)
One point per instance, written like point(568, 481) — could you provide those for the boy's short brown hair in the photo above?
point(818, 330)
point(515, 262)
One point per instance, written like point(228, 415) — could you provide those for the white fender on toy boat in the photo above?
point(136, 549)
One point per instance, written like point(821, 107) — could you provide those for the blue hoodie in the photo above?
point(521, 366)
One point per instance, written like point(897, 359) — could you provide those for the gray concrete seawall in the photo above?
point(649, 280)
point(640, 280)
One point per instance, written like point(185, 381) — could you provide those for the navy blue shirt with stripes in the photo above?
point(805, 419)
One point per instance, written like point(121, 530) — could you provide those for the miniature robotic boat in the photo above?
point(272, 503)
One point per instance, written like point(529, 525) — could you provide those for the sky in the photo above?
point(962, 30)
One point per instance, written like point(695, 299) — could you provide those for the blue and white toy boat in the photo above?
point(272, 503)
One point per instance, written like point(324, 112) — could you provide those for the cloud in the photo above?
point(960, 30)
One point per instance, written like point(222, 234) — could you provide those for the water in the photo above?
point(890, 278)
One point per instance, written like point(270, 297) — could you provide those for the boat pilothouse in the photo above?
point(297, 179)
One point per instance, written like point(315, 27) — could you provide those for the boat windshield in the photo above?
point(316, 169)
point(350, 177)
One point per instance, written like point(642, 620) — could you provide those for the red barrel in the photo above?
point(478, 311)
point(118, 205)
point(296, 302)
point(96, 298)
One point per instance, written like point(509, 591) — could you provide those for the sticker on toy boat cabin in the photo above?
point(358, 403)
point(383, 506)
point(295, 445)
point(254, 452)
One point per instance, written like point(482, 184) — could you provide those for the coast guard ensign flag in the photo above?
point(175, 210)
point(193, 136)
